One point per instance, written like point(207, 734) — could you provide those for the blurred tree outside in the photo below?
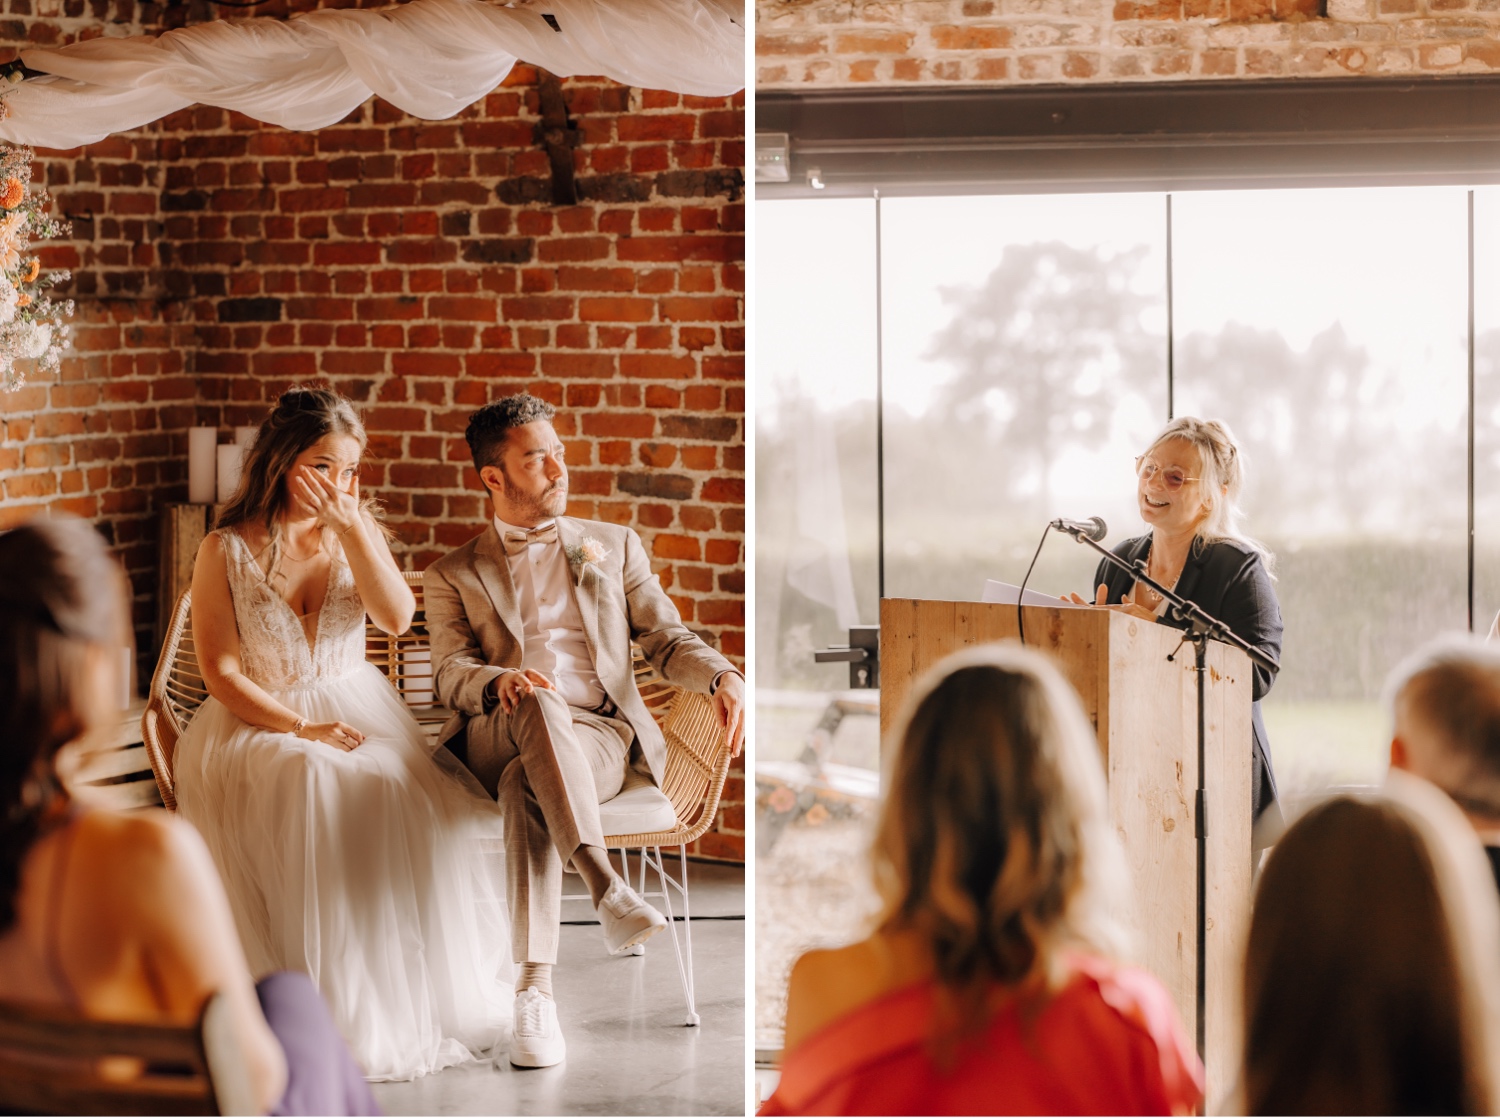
point(1043, 358)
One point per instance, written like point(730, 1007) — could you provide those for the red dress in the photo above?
point(1108, 1043)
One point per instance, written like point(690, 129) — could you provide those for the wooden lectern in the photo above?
point(1144, 709)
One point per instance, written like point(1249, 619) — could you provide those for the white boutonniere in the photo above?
point(588, 550)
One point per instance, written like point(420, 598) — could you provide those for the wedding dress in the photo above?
point(378, 871)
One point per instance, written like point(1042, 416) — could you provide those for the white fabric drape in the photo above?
point(430, 58)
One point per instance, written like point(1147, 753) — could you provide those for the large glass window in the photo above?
point(1340, 359)
point(1026, 358)
point(1486, 408)
point(816, 744)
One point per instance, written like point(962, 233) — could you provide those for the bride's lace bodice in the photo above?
point(273, 646)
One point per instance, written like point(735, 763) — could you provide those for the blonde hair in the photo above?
point(1222, 477)
point(1372, 976)
point(994, 844)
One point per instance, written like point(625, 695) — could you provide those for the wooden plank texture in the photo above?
point(1229, 860)
point(183, 527)
point(1153, 768)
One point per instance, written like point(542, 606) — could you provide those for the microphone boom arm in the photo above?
point(1199, 622)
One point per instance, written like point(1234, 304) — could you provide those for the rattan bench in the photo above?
point(697, 754)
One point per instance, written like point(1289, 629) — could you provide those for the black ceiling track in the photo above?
point(1166, 136)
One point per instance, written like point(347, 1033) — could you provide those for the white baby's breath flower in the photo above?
point(7, 301)
point(33, 339)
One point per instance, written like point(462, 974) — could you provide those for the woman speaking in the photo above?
point(1188, 485)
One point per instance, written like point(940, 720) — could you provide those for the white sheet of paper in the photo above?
point(1005, 594)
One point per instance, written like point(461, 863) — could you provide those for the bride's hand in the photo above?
point(333, 507)
point(340, 735)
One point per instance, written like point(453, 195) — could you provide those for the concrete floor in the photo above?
point(628, 1049)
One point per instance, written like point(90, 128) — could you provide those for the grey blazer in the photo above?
point(1230, 582)
point(475, 625)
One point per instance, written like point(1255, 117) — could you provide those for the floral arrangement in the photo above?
point(33, 325)
point(587, 550)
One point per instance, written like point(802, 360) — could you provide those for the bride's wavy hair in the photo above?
point(62, 605)
point(301, 417)
point(994, 844)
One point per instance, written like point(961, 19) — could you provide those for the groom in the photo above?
point(531, 624)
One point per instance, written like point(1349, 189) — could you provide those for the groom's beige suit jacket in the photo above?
point(474, 622)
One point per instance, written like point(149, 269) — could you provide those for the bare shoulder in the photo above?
point(147, 842)
point(145, 859)
point(214, 548)
point(827, 984)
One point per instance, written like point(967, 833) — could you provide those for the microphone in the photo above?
point(1094, 528)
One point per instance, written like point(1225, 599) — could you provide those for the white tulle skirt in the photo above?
point(379, 871)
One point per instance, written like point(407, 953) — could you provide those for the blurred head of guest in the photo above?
point(1372, 979)
point(62, 624)
point(994, 847)
point(1445, 708)
point(992, 981)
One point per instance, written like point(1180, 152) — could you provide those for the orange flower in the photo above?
point(33, 271)
point(23, 300)
point(15, 191)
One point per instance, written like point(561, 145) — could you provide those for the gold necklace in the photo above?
point(1152, 595)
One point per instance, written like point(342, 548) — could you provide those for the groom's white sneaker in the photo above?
point(536, 1041)
point(627, 920)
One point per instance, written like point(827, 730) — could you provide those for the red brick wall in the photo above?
point(219, 260)
point(802, 43)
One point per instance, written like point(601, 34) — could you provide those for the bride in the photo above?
point(351, 847)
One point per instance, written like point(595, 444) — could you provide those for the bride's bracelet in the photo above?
point(297, 729)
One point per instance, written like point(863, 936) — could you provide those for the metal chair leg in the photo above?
point(684, 972)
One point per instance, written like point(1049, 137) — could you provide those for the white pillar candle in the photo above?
point(201, 443)
point(244, 436)
point(230, 457)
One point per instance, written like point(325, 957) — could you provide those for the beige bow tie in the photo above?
point(517, 542)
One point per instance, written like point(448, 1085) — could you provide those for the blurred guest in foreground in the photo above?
point(991, 983)
point(1372, 978)
point(1445, 706)
point(115, 916)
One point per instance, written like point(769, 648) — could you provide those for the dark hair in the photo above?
point(300, 418)
point(60, 593)
point(487, 427)
point(1354, 987)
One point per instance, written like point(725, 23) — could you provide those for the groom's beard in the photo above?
point(552, 501)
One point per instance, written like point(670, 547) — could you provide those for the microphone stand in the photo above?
point(1201, 628)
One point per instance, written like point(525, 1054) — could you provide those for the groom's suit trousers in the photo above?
point(550, 766)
